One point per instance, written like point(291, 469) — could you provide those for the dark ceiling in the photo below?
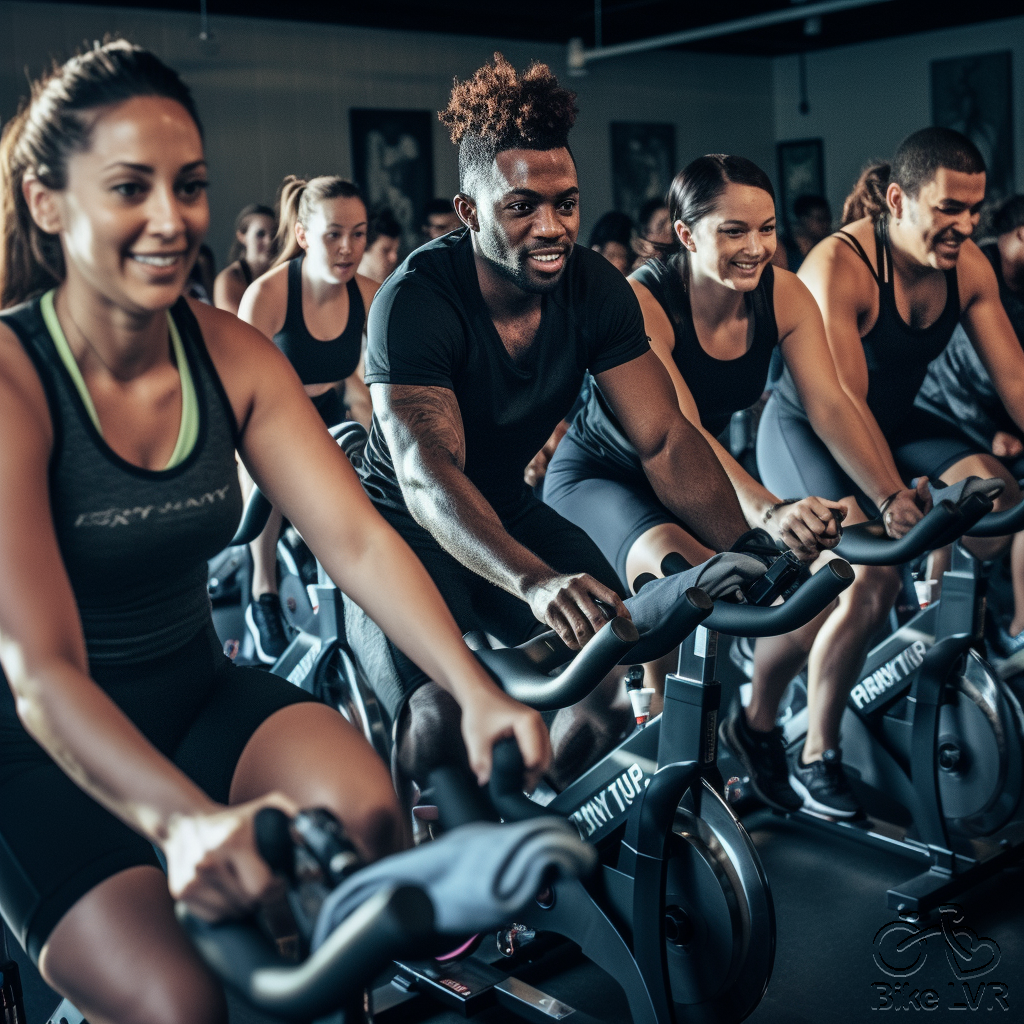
point(621, 20)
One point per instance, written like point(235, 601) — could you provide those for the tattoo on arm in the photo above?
point(421, 424)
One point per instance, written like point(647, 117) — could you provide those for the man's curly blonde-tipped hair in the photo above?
point(500, 105)
point(499, 109)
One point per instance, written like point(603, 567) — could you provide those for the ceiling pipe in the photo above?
point(580, 56)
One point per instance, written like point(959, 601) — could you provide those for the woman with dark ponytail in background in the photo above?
point(312, 304)
point(122, 724)
point(252, 252)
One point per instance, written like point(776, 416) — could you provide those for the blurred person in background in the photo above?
point(612, 237)
point(251, 254)
point(383, 237)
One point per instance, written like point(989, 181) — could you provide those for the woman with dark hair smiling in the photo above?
point(252, 252)
point(715, 310)
point(121, 406)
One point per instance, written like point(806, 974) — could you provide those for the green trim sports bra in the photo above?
point(188, 431)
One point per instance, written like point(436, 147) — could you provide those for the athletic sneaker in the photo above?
point(764, 757)
point(823, 786)
point(266, 624)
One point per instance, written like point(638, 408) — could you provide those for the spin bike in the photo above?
point(929, 728)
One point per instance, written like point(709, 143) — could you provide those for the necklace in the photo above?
point(85, 337)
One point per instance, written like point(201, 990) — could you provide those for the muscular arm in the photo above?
point(989, 328)
point(680, 464)
point(842, 287)
point(834, 414)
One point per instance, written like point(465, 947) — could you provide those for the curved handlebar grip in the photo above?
point(506, 785)
point(683, 618)
point(813, 596)
point(999, 524)
point(869, 544)
point(394, 922)
point(522, 676)
point(273, 839)
point(254, 518)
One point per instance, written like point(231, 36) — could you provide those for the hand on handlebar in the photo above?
point(568, 604)
point(906, 509)
point(495, 716)
point(213, 865)
point(807, 527)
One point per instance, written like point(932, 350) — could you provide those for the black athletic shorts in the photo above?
point(475, 603)
point(57, 843)
point(794, 462)
point(611, 505)
point(331, 406)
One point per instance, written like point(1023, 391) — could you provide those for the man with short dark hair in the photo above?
point(383, 240)
point(892, 285)
point(439, 218)
point(478, 345)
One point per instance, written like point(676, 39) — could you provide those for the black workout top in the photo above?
point(246, 270)
point(958, 386)
point(719, 387)
point(429, 325)
point(135, 541)
point(315, 361)
point(897, 355)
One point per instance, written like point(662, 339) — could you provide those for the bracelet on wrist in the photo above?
point(772, 509)
point(888, 501)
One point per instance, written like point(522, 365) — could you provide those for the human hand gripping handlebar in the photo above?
point(394, 922)
point(967, 513)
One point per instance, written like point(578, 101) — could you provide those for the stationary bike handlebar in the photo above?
point(812, 597)
point(999, 524)
point(351, 438)
point(868, 543)
point(396, 921)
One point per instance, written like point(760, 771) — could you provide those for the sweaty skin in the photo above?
point(524, 220)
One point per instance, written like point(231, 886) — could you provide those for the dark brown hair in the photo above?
point(48, 129)
point(498, 109)
point(245, 215)
point(295, 203)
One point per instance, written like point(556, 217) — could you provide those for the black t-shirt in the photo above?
point(429, 325)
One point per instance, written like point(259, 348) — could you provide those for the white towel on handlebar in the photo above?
point(477, 876)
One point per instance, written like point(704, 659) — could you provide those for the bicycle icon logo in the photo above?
point(900, 947)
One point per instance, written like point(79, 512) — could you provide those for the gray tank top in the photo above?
point(135, 541)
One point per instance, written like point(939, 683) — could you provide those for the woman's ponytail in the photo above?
point(868, 196)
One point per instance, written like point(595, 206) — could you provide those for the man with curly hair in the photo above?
point(478, 345)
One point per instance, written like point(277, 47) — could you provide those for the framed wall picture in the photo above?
point(801, 173)
point(643, 163)
point(393, 163)
point(974, 95)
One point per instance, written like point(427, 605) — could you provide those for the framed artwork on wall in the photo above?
point(393, 163)
point(974, 95)
point(643, 163)
point(801, 173)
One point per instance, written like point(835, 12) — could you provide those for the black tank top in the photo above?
point(135, 541)
point(246, 270)
point(320, 362)
point(719, 387)
point(897, 355)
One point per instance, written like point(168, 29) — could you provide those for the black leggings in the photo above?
point(475, 603)
point(56, 843)
point(795, 463)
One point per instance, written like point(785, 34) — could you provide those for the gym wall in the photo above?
point(865, 99)
point(275, 95)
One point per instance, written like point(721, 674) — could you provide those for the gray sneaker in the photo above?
point(824, 787)
point(764, 757)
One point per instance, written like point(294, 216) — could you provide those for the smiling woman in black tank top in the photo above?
point(312, 304)
point(122, 724)
point(715, 312)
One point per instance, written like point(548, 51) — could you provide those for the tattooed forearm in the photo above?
point(420, 423)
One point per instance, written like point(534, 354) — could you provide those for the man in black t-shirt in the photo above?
point(478, 345)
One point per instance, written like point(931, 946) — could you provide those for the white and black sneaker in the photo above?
point(823, 786)
point(266, 624)
point(763, 755)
